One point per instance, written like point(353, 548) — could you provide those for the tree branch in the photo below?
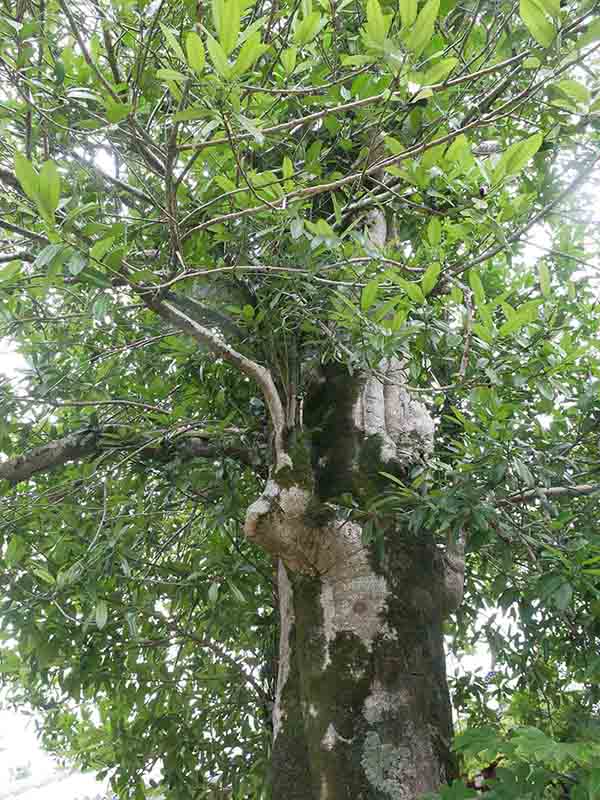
point(580, 490)
point(49, 456)
point(213, 338)
point(91, 442)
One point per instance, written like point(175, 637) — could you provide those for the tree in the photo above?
point(266, 263)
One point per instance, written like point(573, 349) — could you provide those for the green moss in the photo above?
point(290, 765)
point(301, 472)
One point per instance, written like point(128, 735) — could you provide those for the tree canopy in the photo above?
point(204, 206)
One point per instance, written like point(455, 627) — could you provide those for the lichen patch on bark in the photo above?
point(390, 769)
point(353, 597)
point(381, 702)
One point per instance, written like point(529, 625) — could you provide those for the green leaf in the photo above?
point(544, 275)
point(563, 596)
point(434, 231)
point(287, 170)
point(477, 287)
point(213, 592)
point(27, 176)
point(308, 28)
point(369, 295)
point(10, 270)
point(516, 157)
point(515, 324)
point(230, 26)
point(49, 192)
point(76, 263)
point(16, 550)
point(537, 23)
point(288, 59)
point(46, 257)
point(551, 6)
point(101, 248)
point(375, 26)
point(574, 90)
point(250, 52)
point(430, 278)
point(218, 57)
point(422, 32)
point(441, 70)
point(218, 12)
point(101, 613)
point(408, 12)
point(171, 75)
point(172, 42)
point(117, 112)
point(196, 57)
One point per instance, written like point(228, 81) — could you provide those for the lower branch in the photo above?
point(91, 442)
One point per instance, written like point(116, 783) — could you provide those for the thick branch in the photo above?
point(49, 456)
point(89, 443)
point(213, 338)
point(454, 576)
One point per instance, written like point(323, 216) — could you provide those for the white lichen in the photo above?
point(353, 597)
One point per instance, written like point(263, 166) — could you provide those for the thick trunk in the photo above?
point(362, 711)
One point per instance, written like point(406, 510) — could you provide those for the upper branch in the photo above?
point(216, 342)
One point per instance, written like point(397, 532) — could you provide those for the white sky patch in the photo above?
point(28, 773)
point(11, 362)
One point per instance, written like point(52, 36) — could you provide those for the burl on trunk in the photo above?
point(362, 711)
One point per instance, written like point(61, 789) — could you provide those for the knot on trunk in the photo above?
point(278, 522)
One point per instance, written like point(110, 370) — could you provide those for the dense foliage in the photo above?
point(230, 157)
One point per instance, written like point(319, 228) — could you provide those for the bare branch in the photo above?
point(383, 97)
point(580, 490)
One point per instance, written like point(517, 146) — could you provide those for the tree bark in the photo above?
point(362, 709)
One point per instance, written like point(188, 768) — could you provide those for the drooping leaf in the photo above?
point(250, 52)
point(27, 175)
point(172, 42)
point(434, 231)
point(49, 187)
point(369, 295)
point(218, 57)
point(430, 278)
point(375, 25)
point(308, 28)
point(229, 30)
point(544, 275)
point(101, 613)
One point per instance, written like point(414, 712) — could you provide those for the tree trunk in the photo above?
point(363, 710)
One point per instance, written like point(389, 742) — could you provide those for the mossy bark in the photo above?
point(363, 710)
point(366, 717)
